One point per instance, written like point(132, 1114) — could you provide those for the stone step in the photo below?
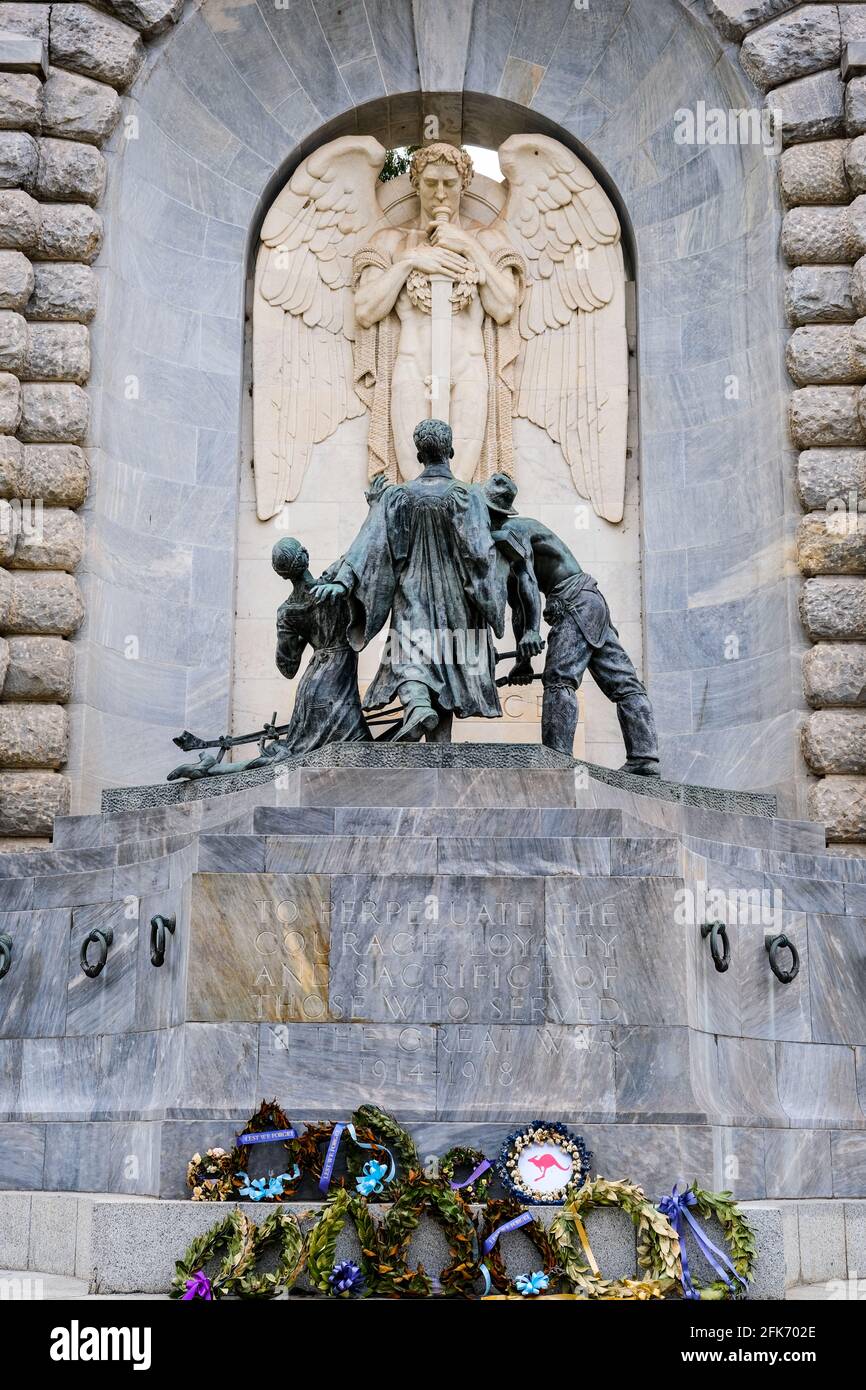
point(507, 822)
point(128, 1245)
point(393, 854)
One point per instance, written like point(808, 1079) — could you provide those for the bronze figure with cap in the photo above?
point(581, 637)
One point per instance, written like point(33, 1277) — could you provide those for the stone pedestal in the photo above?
point(470, 947)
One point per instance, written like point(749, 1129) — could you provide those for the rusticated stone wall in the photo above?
point(811, 61)
point(220, 122)
point(62, 67)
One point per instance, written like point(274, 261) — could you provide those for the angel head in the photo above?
point(433, 441)
point(440, 173)
point(289, 558)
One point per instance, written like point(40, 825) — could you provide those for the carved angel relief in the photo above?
point(521, 313)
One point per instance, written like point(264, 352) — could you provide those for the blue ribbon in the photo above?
point(529, 1285)
point(266, 1136)
point(331, 1155)
point(675, 1208)
point(259, 1189)
point(512, 1225)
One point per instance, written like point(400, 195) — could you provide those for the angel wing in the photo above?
point(571, 374)
point(303, 322)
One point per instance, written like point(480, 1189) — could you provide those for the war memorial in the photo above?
point(433, 649)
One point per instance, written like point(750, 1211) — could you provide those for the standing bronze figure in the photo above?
point(426, 555)
point(582, 636)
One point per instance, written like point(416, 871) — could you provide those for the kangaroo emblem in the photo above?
point(544, 1165)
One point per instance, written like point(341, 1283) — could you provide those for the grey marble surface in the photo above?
point(438, 949)
point(33, 999)
point(430, 756)
point(467, 1001)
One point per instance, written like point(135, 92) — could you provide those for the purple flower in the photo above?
point(346, 1277)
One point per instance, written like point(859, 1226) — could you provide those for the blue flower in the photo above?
point(532, 1283)
point(346, 1277)
point(370, 1180)
point(263, 1189)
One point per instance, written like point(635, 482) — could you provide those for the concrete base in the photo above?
point(129, 1245)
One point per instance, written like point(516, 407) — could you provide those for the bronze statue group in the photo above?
point(439, 564)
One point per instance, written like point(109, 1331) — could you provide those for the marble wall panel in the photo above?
point(837, 977)
point(817, 1086)
point(366, 787)
point(498, 1072)
point(748, 1088)
point(615, 954)
point(10, 1077)
point(739, 1157)
point(326, 1070)
point(747, 1000)
point(503, 787)
point(22, 1156)
point(106, 1003)
point(798, 1163)
point(848, 1164)
point(524, 855)
point(160, 994)
point(215, 1074)
point(347, 854)
point(136, 1072)
point(59, 1078)
point(33, 992)
point(258, 947)
point(653, 1070)
point(445, 821)
point(438, 949)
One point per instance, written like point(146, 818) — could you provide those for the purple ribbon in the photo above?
point(482, 1168)
point(675, 1208)
point(266, 1136)
point(331, 1157)
point(503, 1230)
point(198, 1286)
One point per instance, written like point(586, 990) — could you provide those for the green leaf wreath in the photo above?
point(388, 1133)
point(314, 1145)
point(232, 1240)
point(415, 1197)
point(279, 1229)
point(459, 1157)
point(658, 1248)
point(739, 1238)
point(322, 1240)
point(496, 1212)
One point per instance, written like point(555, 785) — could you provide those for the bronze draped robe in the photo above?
point(425, 554)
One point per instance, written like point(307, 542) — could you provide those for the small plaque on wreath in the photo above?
point(544, 1163)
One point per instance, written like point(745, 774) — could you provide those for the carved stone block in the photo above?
point(819, 294)
point(258, 948)
point(834, 673)
point(438, 949)
point(95, 45)
point(815, 173)
point(834, 741)
point(833, 543)
point(69, 171)
point(19, 219)
point(834, 608)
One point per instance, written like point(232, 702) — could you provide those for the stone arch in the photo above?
point(226, 102)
